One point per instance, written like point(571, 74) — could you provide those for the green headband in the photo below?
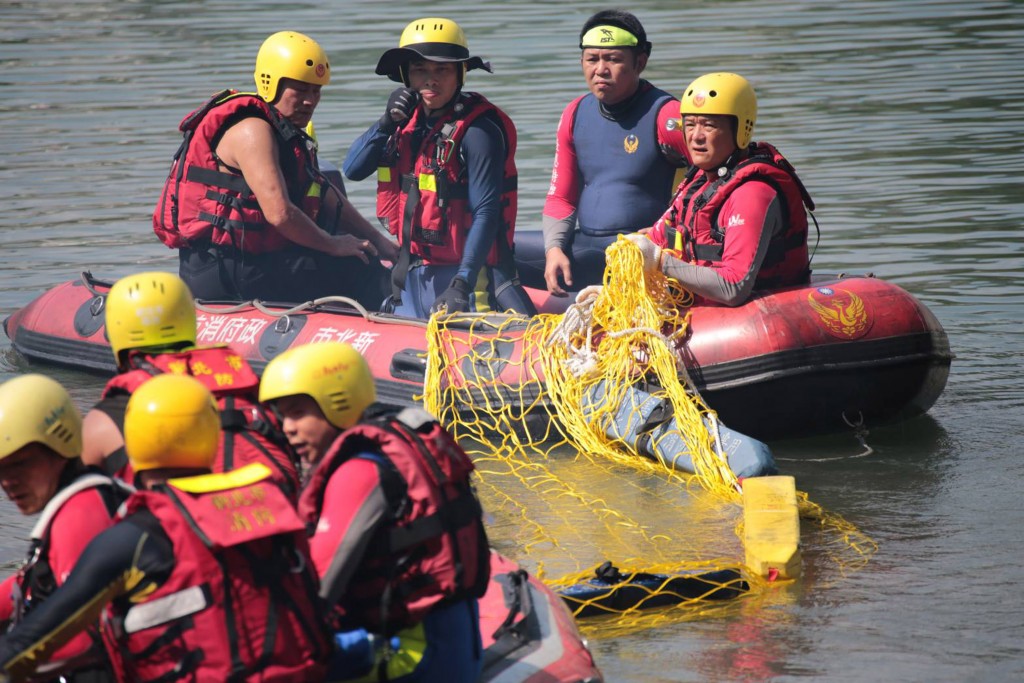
point(608, 37)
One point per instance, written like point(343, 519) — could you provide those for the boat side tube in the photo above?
point(528, 632)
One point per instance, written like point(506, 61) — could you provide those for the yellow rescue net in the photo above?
point(548, 409)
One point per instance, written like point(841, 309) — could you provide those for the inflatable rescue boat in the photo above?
point(825, 357)
point(529, 635)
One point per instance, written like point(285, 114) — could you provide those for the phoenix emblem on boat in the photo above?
point(843, 313)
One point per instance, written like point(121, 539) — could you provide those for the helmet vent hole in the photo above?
point(60, 432)
point(339, 399)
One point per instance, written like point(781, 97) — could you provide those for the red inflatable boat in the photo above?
point(529, 635)
point(841, 351)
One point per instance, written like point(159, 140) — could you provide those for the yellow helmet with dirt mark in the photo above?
point(37, 409)
point(151, 309)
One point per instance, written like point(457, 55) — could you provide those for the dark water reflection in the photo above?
point(906, 121)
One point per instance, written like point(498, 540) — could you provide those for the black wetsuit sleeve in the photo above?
point(131, 557)
point(483, 149)
point(364, 155)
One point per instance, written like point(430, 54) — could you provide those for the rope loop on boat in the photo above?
point(262, 307)
point(90, 283)
point(860, 432)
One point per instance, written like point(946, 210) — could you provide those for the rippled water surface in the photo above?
point(905, 120)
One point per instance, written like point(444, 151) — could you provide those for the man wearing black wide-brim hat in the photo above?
point(446, 178)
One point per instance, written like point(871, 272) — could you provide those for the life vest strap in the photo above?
point(708, 252)
point(224, 224)
point(456, 514)
point(209, 177)
point(457, 190)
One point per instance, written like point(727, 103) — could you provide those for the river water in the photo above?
point(905, 120)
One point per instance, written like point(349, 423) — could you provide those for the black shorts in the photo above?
point(293, 276)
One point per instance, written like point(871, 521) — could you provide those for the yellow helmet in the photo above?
point(333, 374)
point(723, 93)
point(171, 421)
point(433, 38)
point(288, 54)
point(37, 409)
point(149, 309)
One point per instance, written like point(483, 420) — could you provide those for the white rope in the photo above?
point(262, 307)
point(577, 320)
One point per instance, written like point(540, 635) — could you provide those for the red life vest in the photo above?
point(36, 579)
point(201, 204)
point(435, 178)
point(434, 549)
point(698, 202)
point(239, 604)
point(249, 433)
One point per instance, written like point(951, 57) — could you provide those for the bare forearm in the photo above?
point(299, 228)
point(352, 222)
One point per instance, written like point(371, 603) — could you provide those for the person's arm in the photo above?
point(364, 155)
point(100, 437)
point(251, 147)
point(350, 220)
point(127, 559)
point(81, 519)
point(753, 215)
point(671, 142)
point(559, 216)
point(354, 507)
point(483, 149)
point(560, 207)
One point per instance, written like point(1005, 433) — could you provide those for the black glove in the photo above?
point(455, 299)
point(399, 107)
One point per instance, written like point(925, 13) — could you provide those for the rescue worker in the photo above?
point(618, 151)
point(398, 538)
point(151, 325)
point(246, 204)
point(446, 178)
point(738, 222)
point(207, 576)
point(41, 472)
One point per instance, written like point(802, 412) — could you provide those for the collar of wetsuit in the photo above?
point(612, 112)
